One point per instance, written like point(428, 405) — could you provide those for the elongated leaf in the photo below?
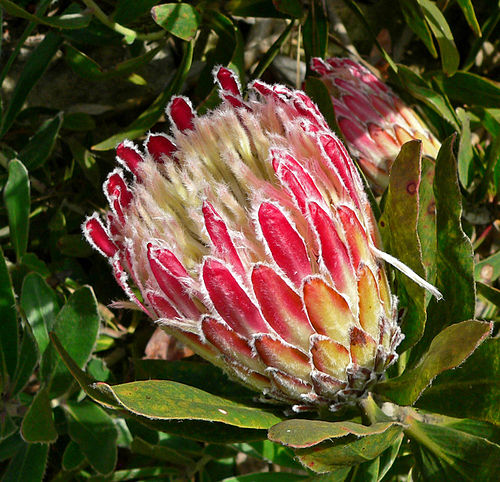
point(348, 451)
point(28, 464)
point(289, 7)
point(76, 325)
point(315, 33)
point(16, 196)
point(455, 267)
point(465, 153)
point(267, 477)
point(36, 65)
point(441, 30)
point(10, 445)
point(38, 424)
point(449, 349)
point(9, 337)
point(28, 359)
point(40, 305)
point(389, 456)
point(472, 89)
point(180, 19)
point(40, 146)
point(471, 391)
point(148, 118)
point(64, 21)
point(160, 452)
point(95, 433)
point(415, 20)
point(470, 16)
point(166, 400)
point(398, 224)
point(73, 456)
point(445, 453)
point(366, 472)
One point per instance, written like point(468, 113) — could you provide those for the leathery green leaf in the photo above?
point(470, 16)
point(447, 453)
point(9, 337)
point(76, 325)
point(399, 224)
point(28, 359)
point(16, 196)
point(167, 400)
point(454, 254)
point(38, 424)
point(180, 19)
point(472, 89)
point(448, 350)
point(348, 451)
point(28, 464)
point(465, 154)
point(94, 432)
point(472, 390)
point(73, 456)
point(298, 433)
point(415, 20)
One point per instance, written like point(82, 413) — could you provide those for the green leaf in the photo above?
point(64, 21)
point(35, 67)
point(293, 8)
point(160, 452)
point(40, 146)
point(166, 400)
point(447, 454)
point(179, 19)
point(448, 350)
point(73, 456)
point(271, 452)
point(28, 464)
point(253, 8)
point(148, 118)
point(414, 18)
point(16, 196)
point(9, 337)
point(454, 254)
point(40, 305)
point(38, 424)
point(10, 445)
point(79, 121)
point(398, 224)
point(471, 89)
point(441, 30)
point(471, 391)
point(267, 477)
point(28, 359)
point(87, 162)
point(470, 16)
point(73, 245)
point(366, 472)
point(77, 325)
point(389, 456)
point(7, 426)
point(352, 443)
point(315, 33)
point(489, 292)
point(465, 153)
point(94, 432)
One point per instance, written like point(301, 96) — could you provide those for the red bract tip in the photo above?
point(227, 81)
point(118, 194)
point(98, 236)
point(181, 113)
point(128, 154)
point(159, 147)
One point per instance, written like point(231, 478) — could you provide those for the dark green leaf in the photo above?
point(34, 263)
point(315, 33)
point(73, 456)
point(274, 453)
point(465, 154)
point(252, 8)
point(472, 89)
point(267, 477)
point(366, 472)
point(180, 19)
point(166, 400)
point(35, 66)
point(79, 121)
point(389, 456)
point(7, 426)
point(289, 7)
point(76, 326)
point(87, 162)
point(94, 432)
point(398, 224)
point(441, 30)
point(40, 305)
point(471, 391)
point(38, 424)
point(447, 454)
point(66, 20)
point(16, 196)
point(74, 245)
point(448, 350)
point(28, 464)
point(470, 15)
point(454, 260)
point(160, 452)
point(489, 292)
point(9, 336)
point(147, 119)
point(10, 445)
point(298, 433)
point(40, 146)
point(415, 20)
point(28, 359)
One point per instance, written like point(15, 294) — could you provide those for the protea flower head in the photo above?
point(374, 121)
point(249, 237)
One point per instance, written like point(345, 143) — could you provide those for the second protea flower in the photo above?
point(374, 121)
point(249, 237)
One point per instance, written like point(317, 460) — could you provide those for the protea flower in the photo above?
point(249, 237)
point(374, 121)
